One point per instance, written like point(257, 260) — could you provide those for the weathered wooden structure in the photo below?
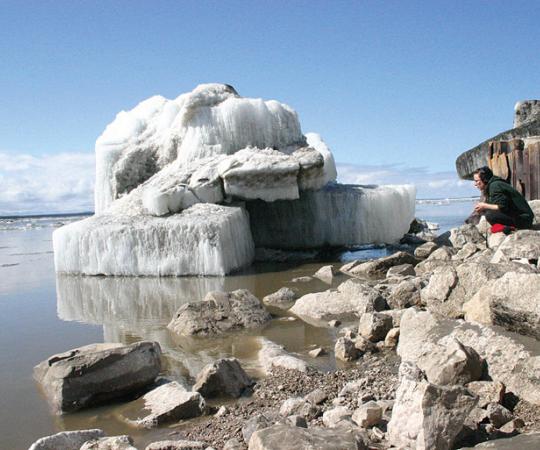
point(513, 155)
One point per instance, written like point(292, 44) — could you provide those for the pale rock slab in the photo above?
point(273, 355)
point(406, 293)
point(351, 299)
point(66, 440)
point(219, 312)
point(512, 302)
point(510, 359)
point(288, 437)
point(97, 373)
point(299, 407)
point(424, 250)
point(335, 417)
point(110, 443)
point(403, 270)
point(345, 349)
point(367, 415)
point(325, 274)
point(170, 402)
point(521, 441)
point(223, 377)
point(176, 445)
point(426, 415)
point(487, 392)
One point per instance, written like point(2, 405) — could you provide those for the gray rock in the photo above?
point(233, 444)
point(450, 362)
point(525, 112)
point(465, 234)
point(66, 440)
point(429, 265)
point(345, 349)
point(351, 299)
point(406, 293)
point(379, 267)
point(284, 298)
point(396, 315)
point(167, 403)
point(223, 377)
point(424, 250)
point(110, 443)
point(316, 352)
point(403, 270)
point(374, 326)
point(299, 407)
point(297, 421)
point(535, 206)
point(521, 244)
point(288, 437)
point(255, 423)
point(443, 253)
point(219, 312)
point(498, 415)
point(363, 345)
point(512, 302)
point(512, 427)
point(335, 417)
point(487, 391)
point(301, 280)
point(511, 359)
point(326, 274)
point(367, 415)
point(495, 240)
point(273, 355)
point(426, 415)
point(316, 397)
point(97, 373)
point(392, 338)
point(176, 445)
point(468, 250)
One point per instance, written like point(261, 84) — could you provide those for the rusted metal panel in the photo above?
point(517, 163)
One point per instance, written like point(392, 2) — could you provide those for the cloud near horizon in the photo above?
point(64, 182)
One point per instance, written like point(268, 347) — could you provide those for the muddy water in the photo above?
point(43, 314)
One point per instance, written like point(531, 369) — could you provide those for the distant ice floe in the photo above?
point(175, 181)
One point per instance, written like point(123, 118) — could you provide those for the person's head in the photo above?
point(481, 177)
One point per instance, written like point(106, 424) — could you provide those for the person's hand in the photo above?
point(479, 207)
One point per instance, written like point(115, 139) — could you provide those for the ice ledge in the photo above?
point(205, 239)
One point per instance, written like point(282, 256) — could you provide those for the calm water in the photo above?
point(43, 314)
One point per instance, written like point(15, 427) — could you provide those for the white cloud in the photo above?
point(428, 184)
point(46, 184)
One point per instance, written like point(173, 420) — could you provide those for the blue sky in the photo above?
point(397, 89)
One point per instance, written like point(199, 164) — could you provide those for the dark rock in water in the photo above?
point(283, 298)
point(380, 266)
point(97, 373)
point(223, 377)
point(219, 312)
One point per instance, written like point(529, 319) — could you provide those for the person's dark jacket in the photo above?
point(509, 201)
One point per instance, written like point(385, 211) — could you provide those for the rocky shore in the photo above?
point(437, 347)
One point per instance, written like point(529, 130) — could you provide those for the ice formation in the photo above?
point(170, 175)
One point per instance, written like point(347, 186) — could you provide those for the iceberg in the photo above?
point(191, 186)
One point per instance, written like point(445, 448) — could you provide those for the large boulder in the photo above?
point(66, 440)
point(426, 415)
point(219, 312)
point(512, 302)
point(523, 244)
point(510, 359)
point(351, 299)
point(287, 437)
point(97, 373)
point(467, 233)
point(223, 377)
